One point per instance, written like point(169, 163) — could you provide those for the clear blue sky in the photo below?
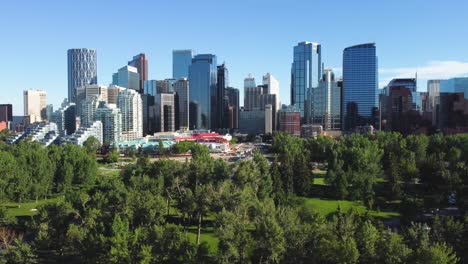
point(255, 36)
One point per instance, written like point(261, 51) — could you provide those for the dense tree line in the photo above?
point(29, 171)
point(149, 214)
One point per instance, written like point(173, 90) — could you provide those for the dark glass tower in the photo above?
point(306, 72)
point(141, 63)
point(360, 86)
point(221, 103)
point(203, 86)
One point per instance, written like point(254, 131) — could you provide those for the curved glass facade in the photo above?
point(203, 84)
point(306, 71)
point(360, 85)
point(82, 70)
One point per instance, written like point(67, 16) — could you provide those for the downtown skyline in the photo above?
point(242, 47)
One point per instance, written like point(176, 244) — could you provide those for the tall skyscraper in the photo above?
point(181, 60)
point(35, 102)
point(249, 82)
point(181, 89)
point(150, 87)
point(164, 105)
point(433, 90)
point(306, 71)
point(327, 102)
point(141, 63)
point(6, 113)
point(111, 120)
point(88, 91)
point(273, 87)
point(360, 86)
point(88, 110)
point(233, 108)
point(221, 101)
point(130, 104)
point(127, 77)
point(203, 85)
point(82, 69)
point(165, 86)
point(65, 119)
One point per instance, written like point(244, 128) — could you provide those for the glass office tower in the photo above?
point(82, 69)
point(181, 60)
point(203, 85)
point(360, 86)
point(306, 71)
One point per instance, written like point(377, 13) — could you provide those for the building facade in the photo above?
point(127, 77)
point(203, 85)
point(289, 118)
point(327, 102)
point(252, 122)
point(131, 106)
point(164, 105)
point(6, 113)
point(82, 69)
point(360, 86)
point(182, 91)
point(65, 119)
point(140, 62)
point(232, 112)
point(35, 102)
point(83, 133)
point(306, 71)
point(111, 118)
point(181, 60)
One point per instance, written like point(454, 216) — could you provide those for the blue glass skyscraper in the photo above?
point(203, 85)
point(306, 71)
point(181, 60)
point(360, 85)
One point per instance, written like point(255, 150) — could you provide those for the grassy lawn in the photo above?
point(326, 207)
point(319, 181)
point(207, 235)
point(24, 209)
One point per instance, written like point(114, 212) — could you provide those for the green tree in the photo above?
point(91, 145)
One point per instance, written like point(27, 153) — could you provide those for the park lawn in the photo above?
point(319, 181)
point(207, 235)
point(24, 209)
point(328, 206)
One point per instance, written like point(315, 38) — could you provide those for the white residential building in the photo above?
point(131, 106)
point(111, 120)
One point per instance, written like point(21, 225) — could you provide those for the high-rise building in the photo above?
point(268, 119)
point(289, 118)
point(181, 89)
point(89, 91)
point(130, 104)
point(164, 105)
point(327, 102)
point(360, 86)
point(233, 108)
point(411, 85)
point(181, 60)
point(203, 85)
point(222, 103)
point(65, 119)
point(49, 111)
point(306, 71)
point(35, 102)
point(249, 82)
point(252, 122)
point(150, 87)
point(165, 86)
point(455, 85)
point(88, 110)
point(111, 120)
point(273, 87)
point(127, 77)
point(149, 114)
point(433, 90)
point(113, 93)
point(141, 63)
point(82, 69)
point(6, 113)
point(255, 98)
